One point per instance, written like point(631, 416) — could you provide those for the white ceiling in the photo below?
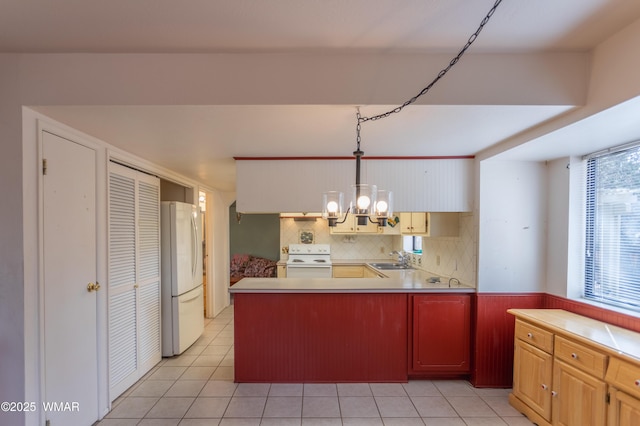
point(207, 137)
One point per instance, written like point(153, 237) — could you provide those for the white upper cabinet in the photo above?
point(419, 185)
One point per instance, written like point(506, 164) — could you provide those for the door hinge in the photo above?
point(44, 172)
point(607, 399)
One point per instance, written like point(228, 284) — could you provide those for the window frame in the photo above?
point(600, 279)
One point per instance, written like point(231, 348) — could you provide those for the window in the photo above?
point(612, 256)
point(412, 244)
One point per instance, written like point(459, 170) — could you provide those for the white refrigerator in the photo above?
point(182, 294)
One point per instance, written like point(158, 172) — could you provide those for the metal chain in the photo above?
point(441, 74)
point(358, 138)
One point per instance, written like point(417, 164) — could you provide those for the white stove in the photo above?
point(309, 261)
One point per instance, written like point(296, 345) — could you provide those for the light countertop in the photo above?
point(396, 281)
point(616, 340)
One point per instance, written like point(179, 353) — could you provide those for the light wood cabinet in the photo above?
point(571, 371)
point(350, 226)
point(624, 410)
point(390, 230)
point(430, 224)
point(578, 397)
point(533, 368)
point(282, 271)
point(348, 271)
point(624, 380)
point(413, 223)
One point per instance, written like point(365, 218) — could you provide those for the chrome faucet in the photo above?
point(403, 258)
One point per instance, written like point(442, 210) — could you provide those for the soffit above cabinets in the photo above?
point(282, 185)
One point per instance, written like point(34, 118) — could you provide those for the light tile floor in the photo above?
point(197, 389)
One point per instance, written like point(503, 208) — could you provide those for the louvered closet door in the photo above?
point(134, 276)
point(149, 348)
point(123, 339)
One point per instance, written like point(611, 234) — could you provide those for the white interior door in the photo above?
point(69, 260)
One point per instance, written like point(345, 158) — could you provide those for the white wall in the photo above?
point(218, 203)
point(558, 189)
point(512, 227)
point(566, 218)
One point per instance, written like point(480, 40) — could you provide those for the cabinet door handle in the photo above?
point(530, 335)
point(544, 387)
point(554, 393)
point(638, 382)
point(574, 355)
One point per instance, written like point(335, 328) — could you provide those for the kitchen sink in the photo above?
point(390, 266)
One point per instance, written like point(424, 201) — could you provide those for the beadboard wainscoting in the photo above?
point(494, 328)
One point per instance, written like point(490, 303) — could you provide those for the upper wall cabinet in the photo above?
point(350, 226)
point(430, 224)
point(419, 185)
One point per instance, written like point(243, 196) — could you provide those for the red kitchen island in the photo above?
point(290, 330)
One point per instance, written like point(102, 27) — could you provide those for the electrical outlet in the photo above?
point(437, 260)
point(420, 261)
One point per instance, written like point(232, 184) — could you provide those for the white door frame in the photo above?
point(34, 289)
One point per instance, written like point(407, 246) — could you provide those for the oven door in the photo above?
point(309, 271)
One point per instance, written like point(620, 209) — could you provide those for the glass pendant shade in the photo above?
point(364, 198)
point(384, 205)
point(332, 202)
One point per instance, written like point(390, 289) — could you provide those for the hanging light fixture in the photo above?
point(367, 200)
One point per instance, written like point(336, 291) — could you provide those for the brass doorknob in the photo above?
point(93, 287)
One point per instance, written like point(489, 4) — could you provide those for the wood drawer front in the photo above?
point(624, 376)
point(581, 357)
point(348, 271)
point(535, 336)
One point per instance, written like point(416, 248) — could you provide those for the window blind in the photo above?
point(612, 255)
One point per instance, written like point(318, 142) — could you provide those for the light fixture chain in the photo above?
point(358, 138)
point(441, 74)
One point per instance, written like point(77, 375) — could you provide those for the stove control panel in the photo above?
point(309, 249)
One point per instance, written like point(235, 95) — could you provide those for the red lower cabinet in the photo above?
point(440, 335)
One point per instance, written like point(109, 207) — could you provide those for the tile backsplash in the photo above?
point(342, 246)
point(452, 256)
point(442, 256)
